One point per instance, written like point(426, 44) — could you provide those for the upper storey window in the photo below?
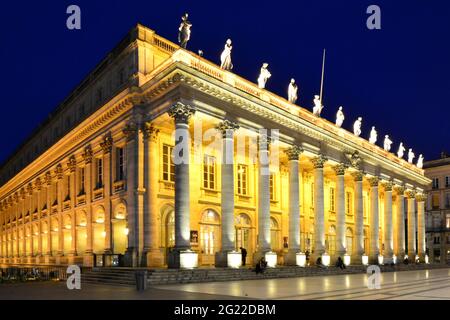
point(209, 172)
point(99, 173)
point(168, 165)
point(242, 172)
point(435, 183)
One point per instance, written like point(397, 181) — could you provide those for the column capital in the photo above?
point(227, 128)
point(387, 185)
point(410, 194)
point(130, 130)
point(106, 144)
point(38, 184)
point(293, 153)
point(373, 181)
point(358, 175)
point(181, 112)
point(340, 169)
point(421, 197)
point(319, 161)
point(72, 164)
point(149, 130)
point(59, 172)
point(87, 155)
point(400, 190)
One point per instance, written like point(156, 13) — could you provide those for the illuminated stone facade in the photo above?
point(98, 177)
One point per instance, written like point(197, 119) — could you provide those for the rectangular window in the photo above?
point(120, 162)
point(99, 173)
point(447, 200)
point(447, 182)
point(332, 200)
point(81, 180)
point(68, 188)
point(209, 172)
point(435, 201)
point(435, 183)
point(348, 203)
point(168, 166)
point(242, 179)
point(272, 186)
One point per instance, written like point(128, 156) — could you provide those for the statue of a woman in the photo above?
point(411, 156)
point(357, 127)
point(401, 150)
point(387, 143)
point(184, 31)
point(292, 91)
point(420, 162)
point(263, 76)
point(373, 136)
point(340, 117)
point(225, 57)
point(317, 109)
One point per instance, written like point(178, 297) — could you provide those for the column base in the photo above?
point(153, 258)
point(131, 258)
point(315, 255)
point(228, 259)
point(182, 259)
point(270, 256)
point(88, 259)
point(290, 258)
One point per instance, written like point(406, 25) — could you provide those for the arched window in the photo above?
point(81, 232)
point(209, 236)
point(99, 233)
point(349, 241)
point(243, 232)
point(275, 234)
point(331, 240)
point(120, 229)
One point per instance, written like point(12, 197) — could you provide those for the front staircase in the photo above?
point(126, 276)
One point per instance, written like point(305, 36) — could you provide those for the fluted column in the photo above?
point(421, 240)
point(263, 197)
point(319, 207)
point(340, 210)
point(227, 129)
point(400, 217)
point(293, 154)
point(181, 113)
point(152, 254)
point(48, 181)
point(132, 151)
point(358, 250)
point(60, 196)
point(39, 208)
point(72, 165)
point(411, 224)
point(374, 221)
point(388, 223)
point(106, 146)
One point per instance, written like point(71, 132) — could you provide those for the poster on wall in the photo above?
point(194, 237)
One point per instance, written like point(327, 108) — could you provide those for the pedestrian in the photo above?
point(244, 255)
point(261, 266)
point(340, 263)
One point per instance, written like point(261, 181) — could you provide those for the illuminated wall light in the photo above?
point(271, 259)
point(55, 229)
point(394, 259)
point(82, 224)
point(365, 260)
point(100, 220)
point(188, 259)
point(380, 259)
point(68, 226)
point(300, 259)
point(347, 259)
point(234, 259)
point(326, 259)
point(417, 259)
point(427, 259)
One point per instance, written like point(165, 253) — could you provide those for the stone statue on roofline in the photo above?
point(318, 107)
point(292, 91)
point(340, 117)
point(420, 161)
point(411, 156)
point(373, 136)
point(225, 57)
point(184, 31)
point(401, 150)
point(387, 143)
point(357, 127)
point(264, 75)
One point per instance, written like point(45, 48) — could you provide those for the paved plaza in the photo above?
point(408, 285)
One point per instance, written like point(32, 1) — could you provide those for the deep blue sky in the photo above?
point(396, 78)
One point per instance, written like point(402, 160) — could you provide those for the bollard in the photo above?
point(141, 280)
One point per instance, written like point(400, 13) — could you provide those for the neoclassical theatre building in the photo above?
point(99, 182)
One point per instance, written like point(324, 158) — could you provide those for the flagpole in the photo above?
point(323, 75)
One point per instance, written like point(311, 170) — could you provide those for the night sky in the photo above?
point(396, 78)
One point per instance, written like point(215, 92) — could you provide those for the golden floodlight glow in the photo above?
point(126, 231)
point(271, 258)
point(394, 259)
point(427, 259)
point(380, 260)
point(347, 259)
point(365, 260)
point(300, 259)
point(326, 259)
point(188, 259)
point(234, 259)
